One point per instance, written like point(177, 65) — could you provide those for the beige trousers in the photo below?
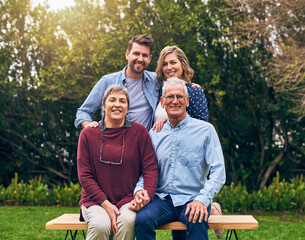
point(99, 226)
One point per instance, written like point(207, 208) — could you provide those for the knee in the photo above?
point(144, 219)
point(99, 228)
point(128, 221)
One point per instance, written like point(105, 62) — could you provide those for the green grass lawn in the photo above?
point(29, 223)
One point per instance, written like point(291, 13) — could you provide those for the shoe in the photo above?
point(218, 232)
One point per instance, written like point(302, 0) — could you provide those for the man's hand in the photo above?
point(195, 208)
point(113, 212)
point(141, 197)
point(89, 124)
point(140, 200)
point(133, 206)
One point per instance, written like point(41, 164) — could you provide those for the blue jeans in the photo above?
point(159, 212)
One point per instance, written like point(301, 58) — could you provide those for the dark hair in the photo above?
point(143, 39)
point(188, 72)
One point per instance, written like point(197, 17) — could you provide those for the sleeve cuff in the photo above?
point(203, 199)
point(102, 202)
point(137, 188)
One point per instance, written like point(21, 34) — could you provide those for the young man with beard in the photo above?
point(142, 86)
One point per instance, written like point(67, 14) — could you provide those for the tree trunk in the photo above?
point(275, 162)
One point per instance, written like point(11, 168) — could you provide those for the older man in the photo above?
point(187, 150)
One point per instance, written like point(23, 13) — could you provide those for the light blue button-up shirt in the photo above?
point(94, 100)
point(186, 154)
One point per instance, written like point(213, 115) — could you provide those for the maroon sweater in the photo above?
point(115, 183)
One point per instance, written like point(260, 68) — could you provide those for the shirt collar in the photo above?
point(144, 76)
point(180, 124)
point(103, 127)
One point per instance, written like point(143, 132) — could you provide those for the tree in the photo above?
point(282, 23)
point(269, 29)
point(34, 140)
point(51, 60)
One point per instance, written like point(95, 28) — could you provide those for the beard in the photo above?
point(133, 67)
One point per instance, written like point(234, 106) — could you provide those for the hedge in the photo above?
point(279, 196)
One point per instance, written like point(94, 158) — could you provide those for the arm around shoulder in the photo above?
point(198, 107)
point(92, 104)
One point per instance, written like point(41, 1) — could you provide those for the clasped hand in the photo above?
point(141, 199)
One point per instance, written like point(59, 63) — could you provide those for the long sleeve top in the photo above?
point(94, 100)
point(115, 182)
point(185, 154)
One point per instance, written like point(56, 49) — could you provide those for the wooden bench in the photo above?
point(70, 222)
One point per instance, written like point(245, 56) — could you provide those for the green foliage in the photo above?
point(278, 196)
point(36, 193)
point(67, 196)
point(49, 62)
point(21, 193)
point(283, 195)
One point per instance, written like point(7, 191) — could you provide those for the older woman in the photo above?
point(110, 160)
point(174, 63)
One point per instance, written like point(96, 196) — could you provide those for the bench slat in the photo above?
point(66, 222)
point(71, 222)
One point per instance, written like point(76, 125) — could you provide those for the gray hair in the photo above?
point(115, 88)
point(174, 81)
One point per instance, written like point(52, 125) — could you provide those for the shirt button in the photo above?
point(173, 145)
point(170, 185)
point(173, 159)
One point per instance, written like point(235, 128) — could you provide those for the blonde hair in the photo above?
point(188, 72)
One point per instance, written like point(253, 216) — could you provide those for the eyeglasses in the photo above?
point(171, 98)
point(122, 153)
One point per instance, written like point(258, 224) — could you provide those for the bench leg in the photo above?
point(73, 235)
point(84, 235)
point(229, 234)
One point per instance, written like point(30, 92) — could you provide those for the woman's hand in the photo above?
point(113, 212)
point(133, 206)
point(159, 124)
point(140, 200)
point(196, 85)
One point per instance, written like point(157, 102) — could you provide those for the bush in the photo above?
point(67, 196)
point(36, 193)
point(279, 196)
